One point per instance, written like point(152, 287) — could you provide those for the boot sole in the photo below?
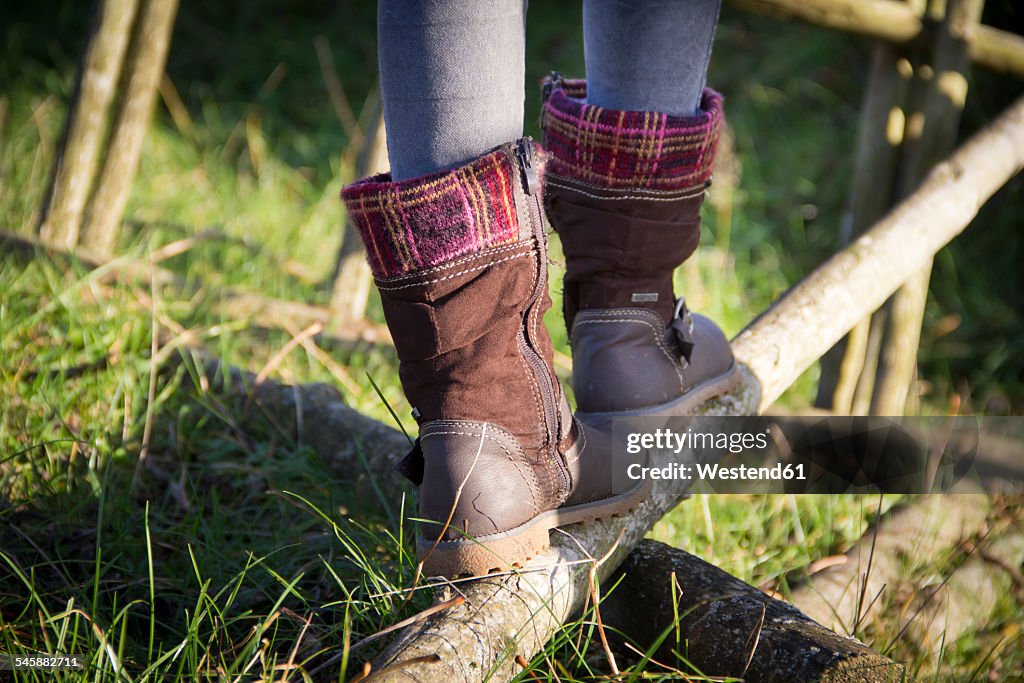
point(512, 549)
point(684, 406)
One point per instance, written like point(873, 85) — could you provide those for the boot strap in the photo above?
point(411, 466)
point(682, 328)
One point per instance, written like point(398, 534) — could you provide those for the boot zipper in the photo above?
point(524, 155)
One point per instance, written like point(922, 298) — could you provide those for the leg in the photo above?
point(458, 248)
point(630, 162)
point(648, 55)
point(451, 78)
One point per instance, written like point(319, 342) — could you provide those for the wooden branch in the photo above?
point(150, 43)
point(884, 19)
point(838, 597)
point(893, 21)
point(997, 50)
point(777, 346)
point(75, 166)
point(728, 628)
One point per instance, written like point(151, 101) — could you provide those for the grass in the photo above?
point(239, 553)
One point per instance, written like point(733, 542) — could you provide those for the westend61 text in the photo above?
point(712, 472)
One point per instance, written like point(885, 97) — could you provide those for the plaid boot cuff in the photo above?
point(427, 221)
point(627, 149)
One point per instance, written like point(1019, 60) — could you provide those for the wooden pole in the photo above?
point(75, 166)
point(351, 286)
point(997, 50)
point(146, 63)
point(885, 19)
point(880, 133)
point(505, 616)
point(941, 91)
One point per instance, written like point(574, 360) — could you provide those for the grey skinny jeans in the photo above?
point(452, 71)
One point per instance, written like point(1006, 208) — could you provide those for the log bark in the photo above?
point(895, 22)
point(724, 627)
point(75, 167)
point(506, 616)
point(146, 63)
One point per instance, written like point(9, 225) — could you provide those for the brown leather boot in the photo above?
point(624, 192)
point(460, 259)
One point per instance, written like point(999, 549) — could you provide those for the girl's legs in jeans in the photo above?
point(452, 71)
point(460, 258)
point(630, 154)
point(648, 55)
point(451, 75)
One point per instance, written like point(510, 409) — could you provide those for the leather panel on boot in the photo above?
point(624, 359)
point(477, 475)
point(622, 247)
point(456, 334)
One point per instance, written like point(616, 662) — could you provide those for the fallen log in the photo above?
point(964, 603)
point(719, 611)
point(840, 596)
point(724, 627)
point(509, 616)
